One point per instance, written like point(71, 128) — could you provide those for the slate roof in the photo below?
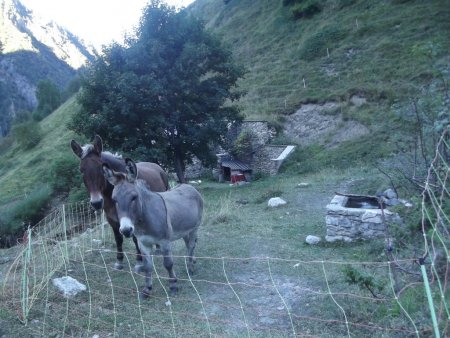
point(236, 165)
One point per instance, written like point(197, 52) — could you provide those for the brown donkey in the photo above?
point(92, 157)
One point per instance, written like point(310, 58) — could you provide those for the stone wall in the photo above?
point(349, 224)
point(260, 129)
point(262, 159)
point(196, 170)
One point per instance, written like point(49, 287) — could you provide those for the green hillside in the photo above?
point(386, 51)
point(33, 180)
point(21, 170)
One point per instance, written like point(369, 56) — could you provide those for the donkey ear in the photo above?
point(131, 169)
point(76, 148)
point(110, 175)
point(98, 144)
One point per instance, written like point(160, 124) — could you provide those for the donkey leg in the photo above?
point(139, 262)
point(119, 241)
point(147, 267)
point(168, 264)
point(190, 241)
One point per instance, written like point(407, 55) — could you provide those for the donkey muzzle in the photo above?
point(126, 227)
point(98, 204)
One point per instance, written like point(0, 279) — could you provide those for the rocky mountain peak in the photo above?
point(33, 49)
point(21, 30)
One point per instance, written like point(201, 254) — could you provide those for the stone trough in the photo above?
point(350, 218)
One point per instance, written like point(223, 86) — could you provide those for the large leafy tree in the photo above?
point(49, 98)
point(167, 95)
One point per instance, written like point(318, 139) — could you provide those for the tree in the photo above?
point(49, 98)
point(27, 133)
point(166, 96)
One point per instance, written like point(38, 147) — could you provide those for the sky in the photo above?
point(97, 22)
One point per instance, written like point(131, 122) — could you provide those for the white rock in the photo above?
point(69, 286)
point(312, 240)
point(275, 202)
point(390, 193)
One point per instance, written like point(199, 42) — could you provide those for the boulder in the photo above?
point(69, 286)
point(276, 202)
point(312, 240)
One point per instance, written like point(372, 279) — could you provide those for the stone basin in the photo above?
point(349, 219)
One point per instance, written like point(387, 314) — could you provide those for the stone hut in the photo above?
point(264, 157)
point(233, 170)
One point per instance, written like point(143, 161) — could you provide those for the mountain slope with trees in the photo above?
point(33, 50)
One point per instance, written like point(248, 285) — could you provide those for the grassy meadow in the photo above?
point(255, 275)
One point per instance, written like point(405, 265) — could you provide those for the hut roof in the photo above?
point(236, 165)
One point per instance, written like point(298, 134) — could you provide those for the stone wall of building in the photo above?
point(262, 159)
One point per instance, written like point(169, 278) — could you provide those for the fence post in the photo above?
point(25, 281)
point(65, 233)
point(102, 226)
point(430, 298)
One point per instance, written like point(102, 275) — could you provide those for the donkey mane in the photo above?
point(89, 148)
point(113, 160)
point(86, 150)
point(144, 187)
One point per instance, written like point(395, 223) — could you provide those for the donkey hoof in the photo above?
point(118, 266)
point(145, 293)
point(173, 290)
point(139, 268)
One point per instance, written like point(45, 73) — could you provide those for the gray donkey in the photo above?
point(156, 218)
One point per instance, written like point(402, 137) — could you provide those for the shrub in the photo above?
point(317, 44)
point(290, 2)
point(5, 144)
point(64, 173)
point(77, 194)
point(363, 281)
point(243, 146)
point(22, 116)
point(49, 98)
point(346, 3)
point(72, 88)
point(27, 134)
point(306, 9)
point(30, 210)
